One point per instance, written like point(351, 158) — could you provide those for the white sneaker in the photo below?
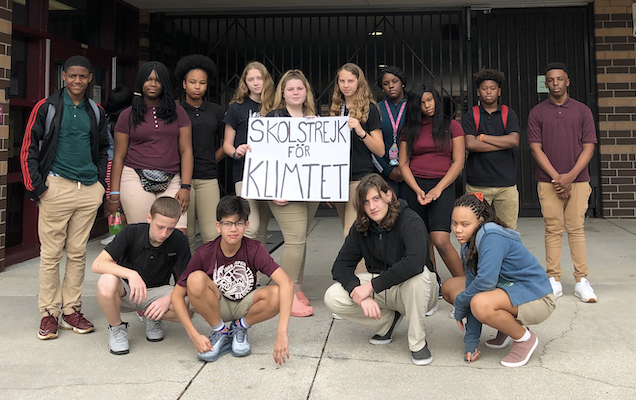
point(452, 314)
point(107, 240)
point(583, 290)
point(431, 311)
point(557, 288)
point(335, 316)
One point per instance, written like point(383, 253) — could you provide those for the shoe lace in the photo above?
point(78, 314)
point(120, 334)
point(215, 336)
point(240, 333)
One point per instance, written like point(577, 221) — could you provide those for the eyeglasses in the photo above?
point(228, 224)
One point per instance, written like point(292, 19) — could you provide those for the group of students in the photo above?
point(165, 157)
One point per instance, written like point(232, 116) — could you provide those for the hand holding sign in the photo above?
point(297, 159)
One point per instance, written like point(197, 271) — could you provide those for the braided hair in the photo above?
point(485, 213)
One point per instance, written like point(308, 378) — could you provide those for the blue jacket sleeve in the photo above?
point(473, 332)
point(491, 250)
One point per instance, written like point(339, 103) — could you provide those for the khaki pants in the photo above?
point(67, 214)
point(569, 214)
point(412, 298)
point(294, 220)
point(204, 197)
point(505, 200)
point(259, 217)
point(136, 202)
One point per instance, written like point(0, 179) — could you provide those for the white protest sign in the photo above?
point(297, 159)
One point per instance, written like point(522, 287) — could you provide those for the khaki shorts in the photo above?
point(537, 311)
point(232, 310)
point(156, 293)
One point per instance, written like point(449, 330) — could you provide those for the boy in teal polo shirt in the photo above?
point(63, 163)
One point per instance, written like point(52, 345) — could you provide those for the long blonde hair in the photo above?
point(267, 95)
point(361, 98)
point(309, 107)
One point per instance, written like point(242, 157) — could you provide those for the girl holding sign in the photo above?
point(352, 97)
point(294, 98)
point(432, 153)
point(505, 286)
point(253, 98)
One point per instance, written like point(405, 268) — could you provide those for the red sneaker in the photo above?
point(48, 327)
point(76, 322)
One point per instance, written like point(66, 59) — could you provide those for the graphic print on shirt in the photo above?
point(235, 281)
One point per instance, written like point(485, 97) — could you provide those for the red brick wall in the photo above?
point(616, 77)
point(6, 16)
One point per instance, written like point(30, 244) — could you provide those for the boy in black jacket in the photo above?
point(63, 160)
point(400, 280)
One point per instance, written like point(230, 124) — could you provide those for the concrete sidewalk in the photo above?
point(586, 351)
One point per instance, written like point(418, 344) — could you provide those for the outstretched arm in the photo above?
point(285, 299)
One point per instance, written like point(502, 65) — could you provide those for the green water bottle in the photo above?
point(114, 223)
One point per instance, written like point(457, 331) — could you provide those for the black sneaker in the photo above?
point(388, 337)
point(422, 357)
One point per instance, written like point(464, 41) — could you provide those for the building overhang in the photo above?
point(333, 6)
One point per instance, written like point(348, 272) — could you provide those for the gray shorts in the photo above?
point(156, 293)
point(232, 310)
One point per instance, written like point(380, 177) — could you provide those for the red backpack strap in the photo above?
point(504, 116)
point(476, 115)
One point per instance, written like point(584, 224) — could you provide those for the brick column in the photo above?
point(6, 16)
point(616, 77)
point(144, 36)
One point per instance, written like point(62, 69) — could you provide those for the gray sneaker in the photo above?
point(220, 346)
point(118, 339)
point(154, 330)
point(422, 357)
point(240, 346)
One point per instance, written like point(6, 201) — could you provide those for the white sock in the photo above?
point(219, 327)
point(524, 338)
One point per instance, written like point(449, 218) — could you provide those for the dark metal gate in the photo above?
point(429, 47)
point(521, 43)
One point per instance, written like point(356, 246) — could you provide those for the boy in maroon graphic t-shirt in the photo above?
point(220, 282)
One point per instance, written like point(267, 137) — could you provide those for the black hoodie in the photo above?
point(396, 255)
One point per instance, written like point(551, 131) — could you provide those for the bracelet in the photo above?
point(234, 155)
point(186, 186)
point(114, 193)
point(363, 137)
point(481, 137)
point(113, 202)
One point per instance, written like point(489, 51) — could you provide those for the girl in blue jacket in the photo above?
point(504, 287)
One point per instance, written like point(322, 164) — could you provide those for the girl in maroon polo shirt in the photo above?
point(431, 156)
point(153, 138)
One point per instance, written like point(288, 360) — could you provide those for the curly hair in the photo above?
point(309, 107)
point(194, 61)
point(394, 71)
point(489, 75)
point(167, 109)
point(374, 181)
point(413, 119)
point(267, 95)
point(361, 99)
point(485, 213)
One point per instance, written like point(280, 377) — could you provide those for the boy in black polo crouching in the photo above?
point(136, 269)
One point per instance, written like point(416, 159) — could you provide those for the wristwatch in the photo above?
point(186, 186)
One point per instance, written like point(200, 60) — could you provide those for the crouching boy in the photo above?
point(136, 268)
point(220, 282)
point(392, 239)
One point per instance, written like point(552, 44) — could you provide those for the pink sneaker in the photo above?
point(498, 342)
point(520, 352)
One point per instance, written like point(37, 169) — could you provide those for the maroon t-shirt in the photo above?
point(234, 276)
point(426, 160)
point(153, 143)
point(561, 130)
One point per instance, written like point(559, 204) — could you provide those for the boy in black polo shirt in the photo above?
point(220, 282)
point(136, 269)
point(491, 168)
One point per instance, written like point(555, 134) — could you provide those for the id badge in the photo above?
point(393, 155)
